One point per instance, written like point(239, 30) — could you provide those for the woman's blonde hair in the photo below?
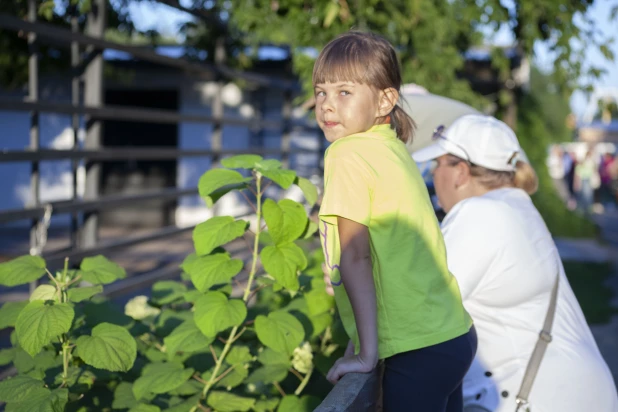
point(524, 177)
point(365, 58)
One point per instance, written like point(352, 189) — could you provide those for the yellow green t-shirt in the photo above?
point(371, 179)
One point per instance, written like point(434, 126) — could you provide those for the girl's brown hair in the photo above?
point(365, 58)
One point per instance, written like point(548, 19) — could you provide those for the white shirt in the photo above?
point(506, 262)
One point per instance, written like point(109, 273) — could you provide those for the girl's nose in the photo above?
point(326, 105)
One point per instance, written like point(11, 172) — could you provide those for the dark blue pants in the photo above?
point(429, 379)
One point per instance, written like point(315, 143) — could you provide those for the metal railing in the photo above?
point(87, 68)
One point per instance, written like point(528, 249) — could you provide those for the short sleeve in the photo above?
point(347, 190)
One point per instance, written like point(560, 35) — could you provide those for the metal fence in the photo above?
point(87, 70)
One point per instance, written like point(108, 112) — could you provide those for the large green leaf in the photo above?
point(18, 388)
point(228, 402)
point(41, 400)
point(269, 164)
point(186, 338)
point(9, 313)
point(142, 407)
point(215, 269)
point(266, 405)
point(84, 293)
point(283, 263)
point(6, 356)
point(269, 374)
point(123, 396)
point(217, 231)
point(185, 406)
point(21, 270)
point(160, 377)
point(167, 291)
point(318, 301)
point(282, 177)
point(110, 347)
point(245, 161)
point(292, 403)
point(214, 312)
point(286, 220)
point(280, 331)
point(77, 376)
point(44, 292)
point(309, 190)
point(100, 270)
point(216, 180)
point(40, 322)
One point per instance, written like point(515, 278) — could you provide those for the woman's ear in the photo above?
point(463, 176)
point(388, 99)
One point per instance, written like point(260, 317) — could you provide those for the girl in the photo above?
point(383, 248)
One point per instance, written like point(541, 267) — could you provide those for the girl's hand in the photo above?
point(347, 364)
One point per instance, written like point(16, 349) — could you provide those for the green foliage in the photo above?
point(541, 122)
point(193, 344)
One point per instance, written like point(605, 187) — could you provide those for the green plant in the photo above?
point(215, 340)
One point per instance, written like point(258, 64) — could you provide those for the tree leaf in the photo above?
point(269, 374)
point(110, 347)
point(286, 220)
point(311, 228)
point(207, 271)
point(318, 301)
point(217, 231)
point(228, 402)
point(83, 293)
point(282, 177)
point(41, 400)
point(266, 405)
point(167, 291)
point(239, 354)
point(9, 313)
point(245, 161)
point(186, 338)
point(44, 292)
point(98, 269)
point(309, 190)
point(292, 403)
point(18, 388)
point(270, 357)
point(269, 164)
point(192, 295)
point(215, 313)
point(21, 270)
point(160, 377)
point(216, 179)
point(233, 378)
point(280, 331)
point(283, 263)
point(40, 322)
point(123, 396)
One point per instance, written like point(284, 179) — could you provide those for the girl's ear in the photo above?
point(388, 99)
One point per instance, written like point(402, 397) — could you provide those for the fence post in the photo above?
point(285, 134)
point(75, 97)
point(33, 96)
point(94, 127)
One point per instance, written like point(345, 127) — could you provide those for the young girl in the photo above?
point(382, 243)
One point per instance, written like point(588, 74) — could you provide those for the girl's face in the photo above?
point(345, 108)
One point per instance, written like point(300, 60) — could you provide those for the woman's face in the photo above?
point(445, 175)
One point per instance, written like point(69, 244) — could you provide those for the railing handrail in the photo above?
point(50, 33)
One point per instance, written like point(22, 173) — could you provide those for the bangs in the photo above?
point(341, 61)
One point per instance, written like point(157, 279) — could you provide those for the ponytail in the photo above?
point(403, 124)
point(525, 178)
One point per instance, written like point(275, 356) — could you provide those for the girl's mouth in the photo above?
point(330, 124)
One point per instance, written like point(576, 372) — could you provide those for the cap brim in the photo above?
point(429, 153)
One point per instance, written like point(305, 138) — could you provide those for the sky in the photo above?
point(166, 20)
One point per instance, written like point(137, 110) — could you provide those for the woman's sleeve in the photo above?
point(347, 190)
point(470, 246)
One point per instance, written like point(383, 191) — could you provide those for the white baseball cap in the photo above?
point(481, 140)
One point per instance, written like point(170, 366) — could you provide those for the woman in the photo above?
point(506, 264)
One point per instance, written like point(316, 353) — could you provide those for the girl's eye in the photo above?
point(320, 94)
point(344, 92)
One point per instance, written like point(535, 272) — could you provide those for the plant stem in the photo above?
point(230, 340)
point(303, 383)
point(66, 353)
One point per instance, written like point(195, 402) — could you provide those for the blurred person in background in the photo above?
point(587, 180)
point(606, 195)
point(557, 171)
point(506, 263)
